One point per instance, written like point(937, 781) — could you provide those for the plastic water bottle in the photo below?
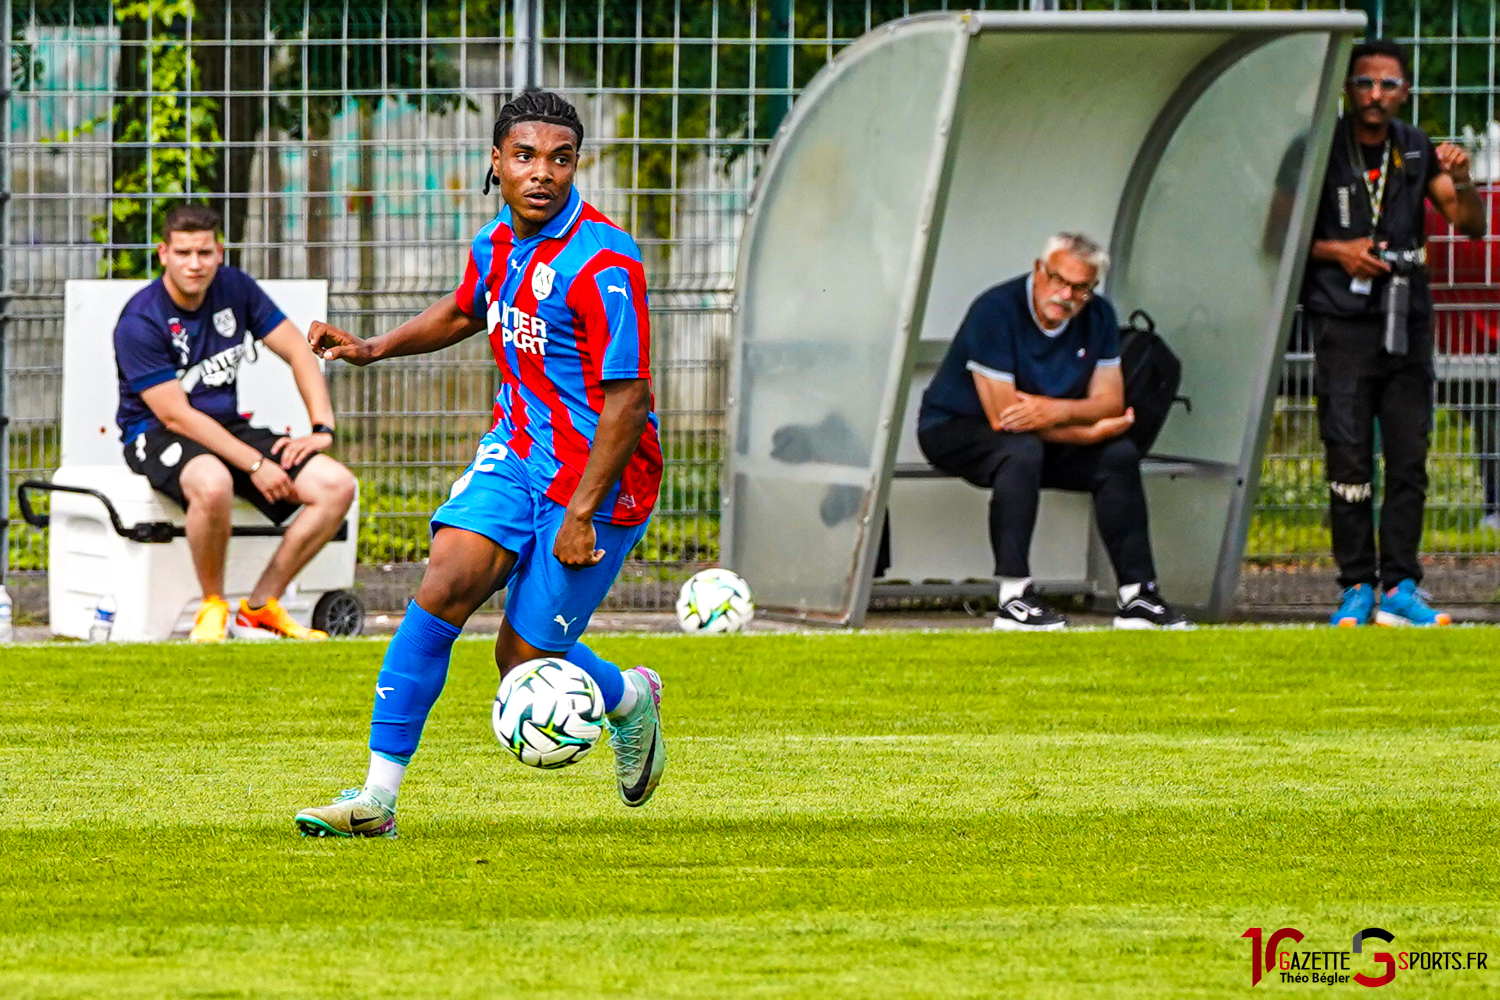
point(6, 615)
point(104, 619)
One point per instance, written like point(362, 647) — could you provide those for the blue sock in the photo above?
point(411, 678)
point(605, 674)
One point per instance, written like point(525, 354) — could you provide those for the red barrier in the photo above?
point(1465, 282)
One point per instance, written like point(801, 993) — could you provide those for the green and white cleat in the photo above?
point(352, 814)
point(640, 754)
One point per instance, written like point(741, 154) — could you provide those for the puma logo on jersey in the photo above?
point(615, 288)
point(566, 623)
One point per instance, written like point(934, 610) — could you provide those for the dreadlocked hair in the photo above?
point(537, 106)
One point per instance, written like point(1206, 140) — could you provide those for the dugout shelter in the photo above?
point(932, 159)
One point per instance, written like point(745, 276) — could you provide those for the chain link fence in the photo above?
point(348, 142)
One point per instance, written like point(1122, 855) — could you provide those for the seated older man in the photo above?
point(1030, 395)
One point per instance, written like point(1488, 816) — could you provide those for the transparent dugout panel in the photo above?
point(1211, 284)
point(830, 260)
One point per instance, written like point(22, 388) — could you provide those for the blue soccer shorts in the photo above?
point(548, 604)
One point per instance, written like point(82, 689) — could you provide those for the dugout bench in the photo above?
point(111, 534)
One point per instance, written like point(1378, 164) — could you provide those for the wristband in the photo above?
point(256, 467)
point(322, 429)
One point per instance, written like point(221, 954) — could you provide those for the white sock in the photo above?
point(1129, 592)
point(383, 781)
point(1013, 586)
point(627, 700)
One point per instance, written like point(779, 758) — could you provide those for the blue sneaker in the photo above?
point(1357, 608)
point(1405, 604)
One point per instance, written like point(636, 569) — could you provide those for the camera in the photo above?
point(1397, 298)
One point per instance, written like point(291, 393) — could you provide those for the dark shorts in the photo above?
point(160, 456)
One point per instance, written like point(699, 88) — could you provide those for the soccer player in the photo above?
point(562, 486)
point(178, 347)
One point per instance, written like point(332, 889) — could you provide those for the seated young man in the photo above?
point(178, 347)
point(1030, 395)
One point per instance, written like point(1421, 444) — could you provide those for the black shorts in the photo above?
point(160, 455)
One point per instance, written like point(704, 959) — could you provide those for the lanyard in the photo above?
point(1376, 190)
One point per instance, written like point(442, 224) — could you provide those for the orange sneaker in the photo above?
point(271, 622)
point(212, 623)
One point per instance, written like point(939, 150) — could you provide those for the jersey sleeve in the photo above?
point(144, 353)
point(1106, 335)
point(610, 303)
point(470, 292)
point(987, 341)
point(262, 314)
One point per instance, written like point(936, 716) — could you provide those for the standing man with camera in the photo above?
point(1366, 299)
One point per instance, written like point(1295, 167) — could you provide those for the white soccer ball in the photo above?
point(715, 600)
point(548, 712)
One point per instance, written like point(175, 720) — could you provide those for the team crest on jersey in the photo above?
point(224, 322)
point(541, 281)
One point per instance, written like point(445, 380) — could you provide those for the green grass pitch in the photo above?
point(943, 815)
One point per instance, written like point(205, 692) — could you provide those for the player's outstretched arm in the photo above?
point(440, 325)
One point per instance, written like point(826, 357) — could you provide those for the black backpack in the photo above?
point(1152, 375)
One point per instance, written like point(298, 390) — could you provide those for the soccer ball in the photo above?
point(715, 600)
point(548, 712)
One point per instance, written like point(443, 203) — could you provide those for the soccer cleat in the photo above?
point(271, 622)
point(1405, 604)
point(352, 814)
point(1357, 609)
point(212, 623)
point(640, 754)
point(1027, 613)
point(1147, 610)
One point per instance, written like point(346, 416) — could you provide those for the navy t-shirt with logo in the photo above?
point(1000, 339)
point(157, 340)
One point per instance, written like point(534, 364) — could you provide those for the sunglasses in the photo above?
point(1369, 82)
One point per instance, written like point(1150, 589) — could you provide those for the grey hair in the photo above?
point(1080, 246)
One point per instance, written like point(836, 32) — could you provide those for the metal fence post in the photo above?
point(526, 50)
point(5, 84)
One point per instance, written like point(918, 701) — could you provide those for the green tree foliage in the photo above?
point(165, 142)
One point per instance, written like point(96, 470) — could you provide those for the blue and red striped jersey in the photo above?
point(566, 311)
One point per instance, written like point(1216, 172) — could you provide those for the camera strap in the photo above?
point(1375, 189)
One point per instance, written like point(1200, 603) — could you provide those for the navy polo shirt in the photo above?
point(157, 340)
point(1001, 339)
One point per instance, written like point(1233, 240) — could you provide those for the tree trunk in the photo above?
point(234, 77)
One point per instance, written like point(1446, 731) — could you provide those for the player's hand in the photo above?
point(574, 547)
point(1357, 258)
point(1454, 161)
point(273, 482)
point(1030, 413)
point(293, 450)
point(332, 344)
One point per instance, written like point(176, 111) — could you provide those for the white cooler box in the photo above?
point(152, 582)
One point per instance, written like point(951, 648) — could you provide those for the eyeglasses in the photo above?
point(1081, 289)
point(1368, 82)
